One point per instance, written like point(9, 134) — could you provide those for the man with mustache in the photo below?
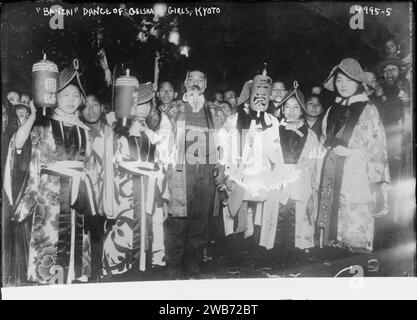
point(190, 181)
point(391, 110)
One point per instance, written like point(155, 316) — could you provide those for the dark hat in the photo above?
point(68, 75)
point(294, 92)
point(348, 66)
point(145, 92)
point(395, 61)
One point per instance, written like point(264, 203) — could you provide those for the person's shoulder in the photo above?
point(370, 109)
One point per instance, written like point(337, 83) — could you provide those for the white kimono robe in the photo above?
point(256, 174)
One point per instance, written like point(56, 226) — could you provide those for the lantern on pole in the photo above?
point(44, 84)
point(126, 92)
point(261, 92)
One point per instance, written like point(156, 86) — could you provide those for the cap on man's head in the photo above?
point(393, 61)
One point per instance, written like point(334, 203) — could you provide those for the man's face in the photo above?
point(391, 74)
point(13, 97)
point(278, 92)
point(390, 48)
point(166, 93)
point(218, 97)
point(93, 110)
point(314, 107)
point(196, 82)
point(25, 99)
point(230, 96)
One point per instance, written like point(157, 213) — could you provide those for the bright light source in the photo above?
point(174, 36)
point(184, 50)
point(160, 9)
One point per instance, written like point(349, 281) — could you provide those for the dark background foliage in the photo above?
point(298, 40)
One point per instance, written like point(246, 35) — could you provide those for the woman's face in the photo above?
point(69, 99)
point(292, 110)
point(314, 107)
point(141, 111)
point(93, 109)
point(346, 86)
point(390, 48)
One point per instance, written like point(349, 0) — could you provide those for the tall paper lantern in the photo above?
point(44, 84)
point(261, 91)
point(126, 93)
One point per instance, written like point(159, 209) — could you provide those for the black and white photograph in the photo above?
point(169, 142)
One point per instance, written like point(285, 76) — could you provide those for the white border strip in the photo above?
point(233, 289)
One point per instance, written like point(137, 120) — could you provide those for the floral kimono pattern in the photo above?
point(60, 208)
point(365, 166)
point(123, 241)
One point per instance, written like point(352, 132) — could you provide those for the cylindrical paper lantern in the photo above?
point(126, 92)
point(44, 84)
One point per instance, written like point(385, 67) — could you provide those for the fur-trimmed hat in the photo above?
point(349, 67)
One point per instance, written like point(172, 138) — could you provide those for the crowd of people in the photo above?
point(272, 171)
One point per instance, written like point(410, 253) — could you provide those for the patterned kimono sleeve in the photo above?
point(27, 203)
point(162, 138)
point(313, 156)
point(93, 169)
point(122, 149)
point(375, 145)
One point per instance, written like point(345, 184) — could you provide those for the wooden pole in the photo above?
point(142, 259)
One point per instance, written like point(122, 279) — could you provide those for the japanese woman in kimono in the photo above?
point(141, 148)
point(53, 201)
point(299, 145)
point(355, 177)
